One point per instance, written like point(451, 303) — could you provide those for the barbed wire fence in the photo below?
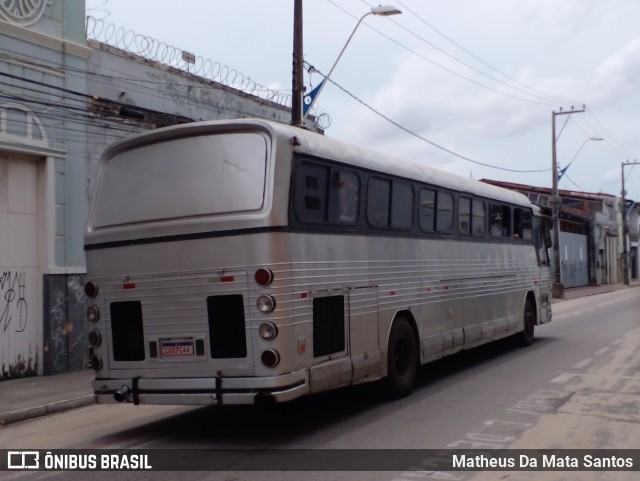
point(161, 52)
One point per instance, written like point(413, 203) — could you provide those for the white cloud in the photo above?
point(618, 76)
point(576, 51)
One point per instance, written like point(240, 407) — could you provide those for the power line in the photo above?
point(608, 146)
point(610, 138)
point(140, 85)
point(544, 95)
point(418, 136)
point(71, 107)
point(545, 102)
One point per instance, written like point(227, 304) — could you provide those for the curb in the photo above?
point(51, 408)
point(556, 300)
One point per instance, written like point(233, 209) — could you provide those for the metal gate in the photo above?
point(574, 259)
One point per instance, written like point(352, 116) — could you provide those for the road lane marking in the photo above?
point(582, 363)
point(566, 376)
point(562, 378)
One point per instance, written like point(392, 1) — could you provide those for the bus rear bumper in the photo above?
point(202, 391)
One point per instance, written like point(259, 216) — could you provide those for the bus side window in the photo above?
point(478, 218)
point(496, 220)
point(506, 221)
point(522, 224)
point(402, 205)
point(311, 192)
point(344, 195)
point(378, 202)
point(444, 212)
point(427, 210)
point(500, 221)
point(527, 225)
point(464, 215)
point(539, 234)
point(517, 223)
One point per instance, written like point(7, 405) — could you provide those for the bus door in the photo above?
point(331, 365)
point(364, 333)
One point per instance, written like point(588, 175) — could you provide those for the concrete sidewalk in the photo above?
point(577, 292)
point(26, 398)
point(31, 397)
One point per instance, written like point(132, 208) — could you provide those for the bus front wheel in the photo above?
point(402, 359)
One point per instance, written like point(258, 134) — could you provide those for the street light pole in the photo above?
point(297, 85)
point(590, 139)
point(383, 10)
point(625, 229)
point(557, 290)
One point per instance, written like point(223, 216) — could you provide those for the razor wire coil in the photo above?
point(161, 52)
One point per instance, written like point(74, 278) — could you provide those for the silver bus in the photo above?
point(242, 261)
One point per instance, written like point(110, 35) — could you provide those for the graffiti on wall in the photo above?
point(57, 344)
point(14, 319)
point(65, 327)
point(13, 304)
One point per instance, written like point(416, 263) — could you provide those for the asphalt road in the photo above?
point(576, 387)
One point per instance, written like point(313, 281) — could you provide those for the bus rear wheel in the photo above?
point(402, 360)
point(527, 336)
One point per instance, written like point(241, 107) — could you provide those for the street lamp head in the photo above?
point(382, 10)
point(385, 10)
point(596, 138)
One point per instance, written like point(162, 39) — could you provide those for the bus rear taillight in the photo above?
point(96, 362)
point(270, 358)
point(93, 313)
point(95, 338)
point(266, 304)
point(91, 289)
point(268, 331)
point(264, 276)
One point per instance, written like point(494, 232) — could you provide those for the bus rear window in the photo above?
point(187, 177)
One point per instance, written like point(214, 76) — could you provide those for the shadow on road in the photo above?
point(282, 425)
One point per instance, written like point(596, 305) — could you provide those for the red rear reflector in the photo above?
point(129, 285)
point(227, 279)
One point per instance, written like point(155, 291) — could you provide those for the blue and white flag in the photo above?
point(562, 171)
point(308, 98)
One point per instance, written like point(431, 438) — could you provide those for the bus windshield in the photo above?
point(181, 178)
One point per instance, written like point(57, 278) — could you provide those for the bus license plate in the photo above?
point(176, 348)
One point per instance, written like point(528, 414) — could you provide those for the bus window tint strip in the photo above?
point(328, 194)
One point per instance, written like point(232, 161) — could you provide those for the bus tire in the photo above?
point(402, 360)
point(529, 314)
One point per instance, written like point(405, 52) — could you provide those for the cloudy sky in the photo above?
point(455, 84)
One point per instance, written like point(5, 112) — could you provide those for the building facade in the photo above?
point(591, 234)
point(63, 100)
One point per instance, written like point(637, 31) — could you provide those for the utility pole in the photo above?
point(625, 228)
point(297, 79)
point(557, 289)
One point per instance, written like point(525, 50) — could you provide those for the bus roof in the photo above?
point(318, 145)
